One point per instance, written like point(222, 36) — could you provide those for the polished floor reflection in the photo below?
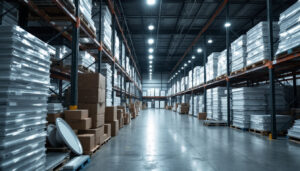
point(166, 141)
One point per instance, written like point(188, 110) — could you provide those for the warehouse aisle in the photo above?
point(164, 140)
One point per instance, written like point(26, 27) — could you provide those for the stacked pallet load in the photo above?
point(85, 62)
point(239, 53)
point(196, 105)
point(117, 47)
point(258, 42)
point(183, 108)
point(191, 109)
point(263, 122)
point(289, 36)
point(132, 110)
point(217, 94)
point(24, 83)
point(201, 77)
point(85, 7)
point(190, 81)
point(222, 63)
point(212, 66)
point(106, 71)
point(111, 118)
point(196, 76)
point(294, 132)
point(55, 110)
point(209, 104)
point(106, 30)
point(224, 108)
point(123, 56)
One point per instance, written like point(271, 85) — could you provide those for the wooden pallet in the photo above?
point(106, 140)
point(214, 123)
point(242, 129)
point(82, 18)
point(294, 139)
point(93, 151)
point(237, 71)
point(221, 77)
point(256, 64)
point(267, 133)
point(287, 52)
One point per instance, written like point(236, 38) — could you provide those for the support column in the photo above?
point(228, 67)
point(271, 70)
point(75, 52)
point(204, 65)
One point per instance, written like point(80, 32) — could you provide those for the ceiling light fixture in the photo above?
point(185, 64)
point(150, 41)
point(150, 66)
point(151, 50)
point(193, 57)
point(227, 24)
point(189, 61)
point(210, 41)
point(199, 50)
point(151, 27)
point(151, 2)
point(150, 57)
point(150, 62)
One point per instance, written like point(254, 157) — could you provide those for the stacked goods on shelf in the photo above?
point(156, 92)
point(209, 104)
point(294, 131)
point(196, 105)
point(127, 65)
point(85, 60)
point(106, 71)
point(85, 7)
point(201, 77)
point(106, 30)
point(212, 66)
point(120, 115)
point(162, 104)
point(178, 86)
point(289, 28)
point(217, 94)
point(201, 103)
point(183, 108)
point(162, 93)
point(111, 117)
point(196, 76)
point(258, 42)
point(222, 63)
point(190, 81)
point(10, 18)
point(61, 52)
point(156, 104)
point(191, 110)
point(55, 110)
point(24, 83)
point(247, 101)
point(123, 55)
point(182, 84)
point(224, 108)
point(263, 122)
point(132, 110)
point(239, 53)
point(117, 47)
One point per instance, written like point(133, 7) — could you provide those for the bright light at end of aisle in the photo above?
point(151, 50)
point(189, 61)
point(151, 27)
point(151, 2)
point(150, 66)
point(150, 57)
point(210, 41)
point(185, 64)
point(150, 70)
point(150, 41)
point(193, 57)
point(227, 24)
point(150, 62)
point(199, 50)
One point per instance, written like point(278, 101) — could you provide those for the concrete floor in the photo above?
point(164, 140)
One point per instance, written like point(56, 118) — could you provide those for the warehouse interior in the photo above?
point(149, 85)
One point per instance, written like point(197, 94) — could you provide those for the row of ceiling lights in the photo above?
point(150, 42)
point(199, 50)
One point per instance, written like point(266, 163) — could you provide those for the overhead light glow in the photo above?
point(150, 57)
point(227, 24)
point(181, 67)
point(210, 41)
point(189, 61)
point(151, 2)
point(193, 57)
point(199, 50)
point(150, 62)
point(151, 50)
point(150, 41)
point(151, 27)
point(185, 64)
point(150, 66)
point(150, 70)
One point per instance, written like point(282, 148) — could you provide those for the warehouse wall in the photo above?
point(159, 80)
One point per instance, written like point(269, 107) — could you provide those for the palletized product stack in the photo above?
point(61, 52)
point(24, 83)
point(84, 60)
point(224, 108)
point(289, 28)
point(117, 47)
point(191, 106)
point(201, 76)
point(190, 81)
point(263, 122)
point(196, 76)
point(127, 65)
point(247, 101)
point(257, 42)
point(196, 105)
point(178, 86)
point(209, 104)
point(85, 7)
point(294, 131)
point(123, 56)
point(239, 53)
point(217, 93)
point(183, 108)
point(182, 84)
point(106, 71)
point(212, 66)
point(55, 110)
point(106, 30)
point(222, 63)
point(201, 103)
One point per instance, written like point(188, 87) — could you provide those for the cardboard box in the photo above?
point(82, 124)
point(51, 118)
point(97, 120)
point(110, 114)
point(119, 114)
point(98, 132)
point(121, 123)
point(76, 114)
point(107, 129)
point(87, 141)
point(127, 119)
point(103, 138)
point(91, 80)
point(91, 95)
point(202, 116)
point(94, 109)
point(114, 128)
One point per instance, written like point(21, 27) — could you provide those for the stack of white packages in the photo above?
point(209, 104)
point(289, 28)
point(212, 66)
point(84, 59)
point(201, 77)
point(156, 92)
point(247, 101)
point(85, 7)
point(222, 63)
point(179, 108)
point(182, 84)
point(106, 31)
point(61, 52)
point(191, 108)
point(217, 93)
point(24, 83)
point(294, 132)
point(196, 105)
point(239, 53)
point(190, 81)
point(201, 103)
point(54, 108)
point(106, 71)
point(117, 79)
point(123, 56)
point(224, 108)
point(117, 47)
point(127, 65)
point(117, 99)
point(178, 86)
point(196, 76)
point(162, 93)
point(263, 122)
point(257, 42)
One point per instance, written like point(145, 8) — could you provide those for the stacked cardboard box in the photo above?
point(111, 118)
point(107, 133)
point(132, 110)
point(183, 108)
point(120, 118)
point(78, 119)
